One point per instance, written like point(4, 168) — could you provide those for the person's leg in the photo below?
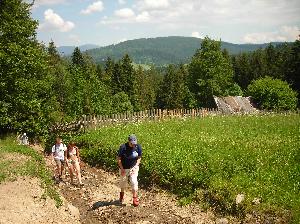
point(58, 167)
point(123, 182)
point(71, 170)
point(77, 167)
point(134, 185)
point(62, 167)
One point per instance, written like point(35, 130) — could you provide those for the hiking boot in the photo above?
point(135, 201)
point(121, 200)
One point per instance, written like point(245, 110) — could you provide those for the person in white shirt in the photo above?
point(58, 151)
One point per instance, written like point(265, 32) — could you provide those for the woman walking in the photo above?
point(73, 160)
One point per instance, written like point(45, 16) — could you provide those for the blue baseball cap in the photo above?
point(132, 139)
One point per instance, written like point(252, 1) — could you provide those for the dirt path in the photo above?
point(20, 202)
point(22, 198)
point(97, 201)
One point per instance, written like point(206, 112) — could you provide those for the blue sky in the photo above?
point(78, 22)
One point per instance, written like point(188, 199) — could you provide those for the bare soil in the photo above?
point(21, 202)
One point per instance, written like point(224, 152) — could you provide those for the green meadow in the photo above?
point(213, 159)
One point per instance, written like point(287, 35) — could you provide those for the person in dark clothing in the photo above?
point(129, 158)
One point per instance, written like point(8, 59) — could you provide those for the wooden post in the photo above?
point(152, 114)
point(95, 122)
point(84, 123)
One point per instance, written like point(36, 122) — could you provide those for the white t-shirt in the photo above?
point(59, 150)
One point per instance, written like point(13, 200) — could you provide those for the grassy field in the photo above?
point(213, 159)
point(17, 160)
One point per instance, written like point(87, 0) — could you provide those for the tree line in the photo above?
point(40, 88)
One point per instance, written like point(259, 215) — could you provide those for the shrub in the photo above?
point(273, 94)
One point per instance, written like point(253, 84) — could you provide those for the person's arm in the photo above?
point(139, 151)
point(121, 166)
point(77, 153)
point(53, 151)
point(120, 163)
point(119, 160)
point(138, 161)
point(66, 154)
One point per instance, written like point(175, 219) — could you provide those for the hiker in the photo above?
point(58, 151)
point(73, 160)
point(129, 158)
point(23, 139)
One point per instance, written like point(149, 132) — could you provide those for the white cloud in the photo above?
point(292, 32)
point(153, 4)
point(95, 7)
point(196, 34)
point(143, 17)
point(122, 40)
point(125, 16)
point(122, 2)
point(75, 39)
point(47, 2)
point(124, 13)
point(53, 21)
point(285, 33)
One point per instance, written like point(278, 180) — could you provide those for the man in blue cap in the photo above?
point(129, 158)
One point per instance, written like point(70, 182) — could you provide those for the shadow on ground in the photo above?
point(99, 204)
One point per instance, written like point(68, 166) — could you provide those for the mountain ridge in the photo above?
point(163, 50)
point(68, 50)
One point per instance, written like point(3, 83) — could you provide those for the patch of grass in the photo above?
point(3, 172)
point(257, 156)
point(35, 167)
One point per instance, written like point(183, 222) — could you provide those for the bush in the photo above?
point(273, 94)
point(121, 103)
point(235, 90)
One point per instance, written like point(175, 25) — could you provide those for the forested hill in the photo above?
point(68, 50)
point(162, 50)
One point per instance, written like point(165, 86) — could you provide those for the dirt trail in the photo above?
point(97, 201)
point(20, 202)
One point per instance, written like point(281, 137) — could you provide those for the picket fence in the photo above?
point(98, 121)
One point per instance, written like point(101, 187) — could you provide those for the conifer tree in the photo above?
point(77, 57)
point(293, 67)
point(145, 89)
point(54, 56)
point(172, 89)
point(108, 71)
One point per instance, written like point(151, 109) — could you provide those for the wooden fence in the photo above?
point(98, 121)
